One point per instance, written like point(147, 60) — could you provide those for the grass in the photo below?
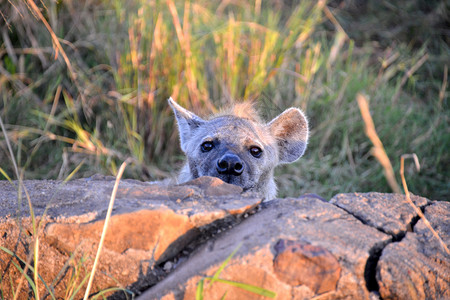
point(100, 94)
point(74, 271)
point(199, 295)
point(408, 198)
point(105, 228)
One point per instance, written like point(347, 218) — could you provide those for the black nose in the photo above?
point(230, 164)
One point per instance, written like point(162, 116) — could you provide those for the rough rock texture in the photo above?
point(342, 244)
point(150, 224)
point(417, 267)
point(168, 238)
point(389, 213)
point(321, 270)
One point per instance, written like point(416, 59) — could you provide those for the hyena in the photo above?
point(238, 147)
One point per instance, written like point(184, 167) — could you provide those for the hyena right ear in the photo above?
point(291, 131)
point(187, 121)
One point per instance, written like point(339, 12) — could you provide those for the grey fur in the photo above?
point(282, 140)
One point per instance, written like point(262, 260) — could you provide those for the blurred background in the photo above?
point(84, 85)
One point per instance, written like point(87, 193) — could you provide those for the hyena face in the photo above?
point(238, 148)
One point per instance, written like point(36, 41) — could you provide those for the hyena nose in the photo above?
point(230, 164)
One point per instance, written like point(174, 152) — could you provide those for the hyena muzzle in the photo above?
point(237, 147)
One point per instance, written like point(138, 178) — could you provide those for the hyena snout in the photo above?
point(230, 164)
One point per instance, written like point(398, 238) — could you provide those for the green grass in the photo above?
point(74, 274)
point(128, 58)
point(199, 295)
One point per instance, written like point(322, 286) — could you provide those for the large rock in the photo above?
point(298, 248)
point(150, 224)
point(168, 238)
point(304, 248)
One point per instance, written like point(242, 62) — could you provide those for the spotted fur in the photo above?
point(234, 136)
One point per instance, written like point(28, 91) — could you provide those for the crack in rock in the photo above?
point(417, 266)
point(370, 269)
point(373, 252)
point(396, 231)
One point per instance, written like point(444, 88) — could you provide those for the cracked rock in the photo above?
point(418, 267)
point(389, 213)
point(163, 239)
point(298, 248)
point(150, 224)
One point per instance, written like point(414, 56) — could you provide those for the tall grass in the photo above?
point(127, 58)
point(27, 270)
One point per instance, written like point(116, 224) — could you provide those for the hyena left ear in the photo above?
point(187, 122)
point(290, 129)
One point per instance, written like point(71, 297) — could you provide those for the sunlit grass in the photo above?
point(257, 290)
point(78, 275)
point(128, 58)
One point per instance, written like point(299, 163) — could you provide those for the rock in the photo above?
point(418, 267)
point(150, 224)
point(280, 245)
point(147, 230)
point(211, 186)
point(168, 266)
point(320, 269)
point(170, 237)
point(389, 213)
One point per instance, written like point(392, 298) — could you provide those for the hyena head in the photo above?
point(238, 147)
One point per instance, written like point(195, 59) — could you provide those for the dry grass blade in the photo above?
point(9, 148)
point(105, 227)
point(54, 38)
point(408, 198)
point(36, 264)
point(20, 85)
point(57, 46)
point(9, 46)
point(183, 35)
point(47, 124)
point(378, 149)
point(331, 17)
point(6, 20)
point(443, 86)
point(36, 243)
point(408, 74)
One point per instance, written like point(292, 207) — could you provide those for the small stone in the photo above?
point(168, 266)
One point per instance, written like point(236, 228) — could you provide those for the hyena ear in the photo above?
point(290, 129)
point(187, 122)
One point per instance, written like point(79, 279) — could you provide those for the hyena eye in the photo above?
point(207, 146)
point(255, 151)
